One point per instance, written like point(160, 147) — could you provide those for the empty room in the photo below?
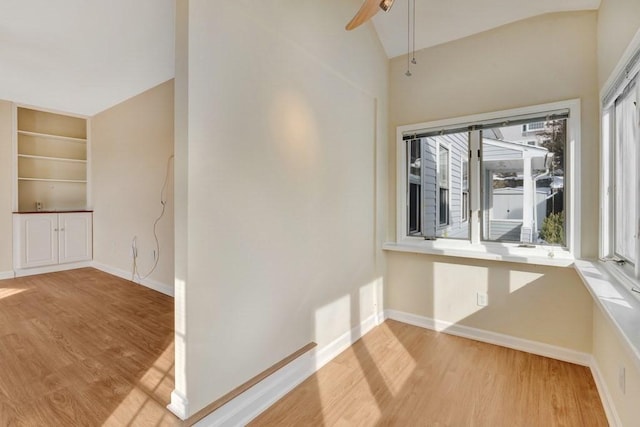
point(296, 213)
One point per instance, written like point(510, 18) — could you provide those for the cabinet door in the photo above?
point(76, 242)
point(37, 240)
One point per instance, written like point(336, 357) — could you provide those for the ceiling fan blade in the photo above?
point(368, 9)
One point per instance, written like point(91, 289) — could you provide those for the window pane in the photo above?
point(523, 183)
point(625, 176)
point(414, 187)
point(443, 185)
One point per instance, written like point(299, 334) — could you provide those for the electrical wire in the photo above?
point(134, 249)
point(413, 60)
point(408, 73)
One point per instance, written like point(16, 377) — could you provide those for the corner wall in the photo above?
point(6, 197)
point(131, 145)
point(516, 65)
point(618, 23)
point(283, 162)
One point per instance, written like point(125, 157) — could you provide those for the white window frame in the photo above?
point(464, 213)
point(474, 247)
point(441, 226)
point(626, 70)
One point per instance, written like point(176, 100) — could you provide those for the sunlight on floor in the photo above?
point(7, 292)
point(141, 406)
point(371, 378)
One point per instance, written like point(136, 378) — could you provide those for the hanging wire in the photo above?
point(413, 60)
point(408, 73)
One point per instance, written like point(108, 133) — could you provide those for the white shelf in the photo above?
point(51, 136)
point(79, 181)
point(57, 159)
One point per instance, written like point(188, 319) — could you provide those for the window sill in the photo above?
point(615, 300)
point(548, 255)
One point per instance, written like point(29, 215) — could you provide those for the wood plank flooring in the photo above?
point(401, 375)
point(84, 348)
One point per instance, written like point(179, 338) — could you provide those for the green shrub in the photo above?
point(552, 230)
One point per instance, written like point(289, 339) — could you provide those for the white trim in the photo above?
point(258, 398)
point(572, 191)
point(149, 283)
point(22, 272)
point(7, 275)
point(620, 68)
point(179, 405)
point(612, 296)
point(605, 396)
point(492, 251)
point(533, 347)
point(14, 157)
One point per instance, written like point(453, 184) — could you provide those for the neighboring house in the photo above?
point(526, 134)
point(515, 191)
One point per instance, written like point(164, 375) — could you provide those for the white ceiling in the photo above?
point(440, 21)
point(84, 56)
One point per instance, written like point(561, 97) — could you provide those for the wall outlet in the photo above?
point(622, 379)
point(482, 299)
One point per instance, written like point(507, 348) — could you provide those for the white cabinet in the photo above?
point(46, 239)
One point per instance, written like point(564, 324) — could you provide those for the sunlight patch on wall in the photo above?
point(332, 320)
point(456, 289)
point(520, 279)
point(371, 298)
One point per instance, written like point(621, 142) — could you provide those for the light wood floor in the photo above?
point(84, 348)
point(401, 375)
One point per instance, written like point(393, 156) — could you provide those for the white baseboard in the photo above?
point(605, 396)
point(7, 275)
point(149, 283)
point(22, 272)
point(534, 347)
point(253, 402)
point(179, 405)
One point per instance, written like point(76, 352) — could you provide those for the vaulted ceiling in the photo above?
point(85, 56)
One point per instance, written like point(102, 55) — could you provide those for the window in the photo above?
point(620, 162)
point(443, 186)
point(533, 127)
point(480, 184)
point(414, 179)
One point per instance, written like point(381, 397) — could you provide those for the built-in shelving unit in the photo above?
point(52, 166)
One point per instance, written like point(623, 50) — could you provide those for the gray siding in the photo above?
point(505, 230)
point(457, 144)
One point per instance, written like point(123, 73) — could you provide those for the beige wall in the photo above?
point(618, 22)
point(131, 144)
point(286, 170)
point(611, 355)
point(512, 66)
point(543, 304)
point(6, 179)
